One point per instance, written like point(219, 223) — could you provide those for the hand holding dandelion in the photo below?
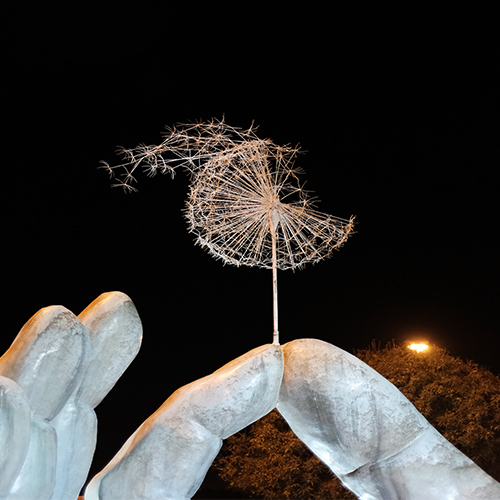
point(243, 204)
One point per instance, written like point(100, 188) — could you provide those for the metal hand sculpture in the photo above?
point(351, 417)
point(60, 366)
point(245, 203)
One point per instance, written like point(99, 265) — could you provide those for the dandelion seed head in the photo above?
point(244, 193)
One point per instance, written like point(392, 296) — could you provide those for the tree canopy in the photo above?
point(459, 398)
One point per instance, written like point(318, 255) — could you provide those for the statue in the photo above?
point(353, 419)
point(60, 366)
point(242, 208)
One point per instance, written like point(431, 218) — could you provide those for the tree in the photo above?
point(459, 398)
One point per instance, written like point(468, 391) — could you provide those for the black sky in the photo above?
point(399, 122)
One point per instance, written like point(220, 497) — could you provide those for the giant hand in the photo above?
point(58, 368)
point(351, 417)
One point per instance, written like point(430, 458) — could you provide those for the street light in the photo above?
point(418, 347)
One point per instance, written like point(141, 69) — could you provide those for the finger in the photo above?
point(368, 433)
point(169, 455)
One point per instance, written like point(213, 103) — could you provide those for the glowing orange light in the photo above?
point(418, 347)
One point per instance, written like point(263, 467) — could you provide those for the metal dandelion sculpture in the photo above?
point(245, 203)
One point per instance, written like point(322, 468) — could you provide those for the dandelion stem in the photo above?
point(272, 228)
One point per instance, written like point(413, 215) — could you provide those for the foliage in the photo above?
point(459, 398)
point(267, 460)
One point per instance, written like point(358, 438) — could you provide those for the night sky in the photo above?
point(399, 125)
